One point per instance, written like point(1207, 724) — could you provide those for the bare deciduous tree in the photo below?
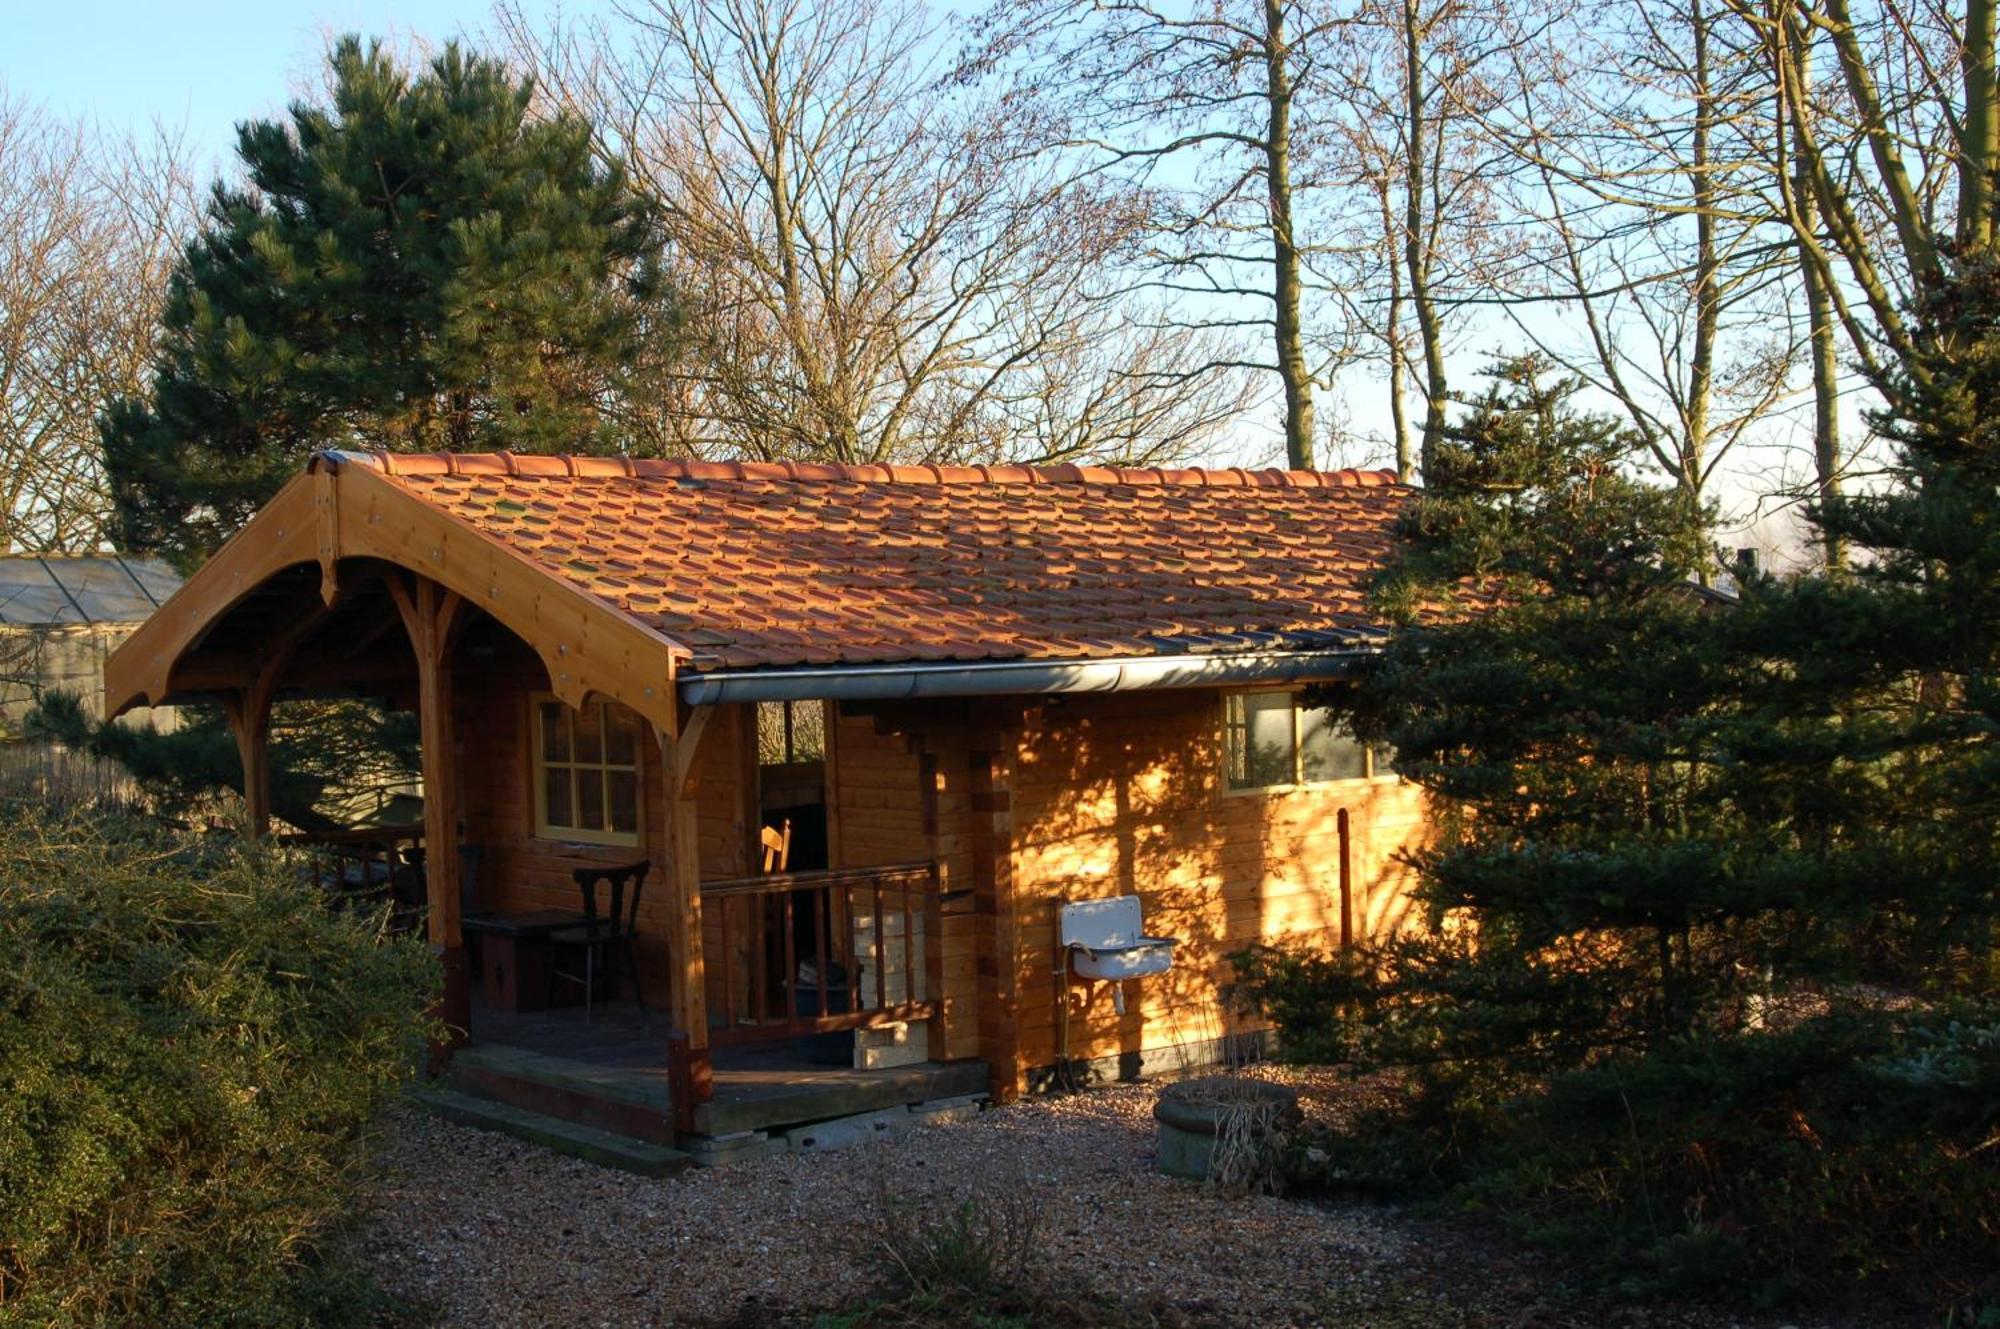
point(1898, 168)
point(1417, 86)
point(88, 229)
point(870, 269)
point(1655, 273)
point(1213, 116)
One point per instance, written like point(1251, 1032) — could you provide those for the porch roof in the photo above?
point(756, 565)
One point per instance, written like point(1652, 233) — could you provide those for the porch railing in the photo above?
point(820, 952)
point(368, 868)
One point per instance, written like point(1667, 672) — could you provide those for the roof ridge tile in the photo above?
point(551, 465)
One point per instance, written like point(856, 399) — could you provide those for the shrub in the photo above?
point(1855, 1148)
point(192, 1047)
point(983, 1261)
point(982, 1247)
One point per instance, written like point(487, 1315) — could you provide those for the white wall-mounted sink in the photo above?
point(1105, 939)
point(1148, 955)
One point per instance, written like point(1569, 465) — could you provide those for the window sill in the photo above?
point(569, 840)
point(1315, 787)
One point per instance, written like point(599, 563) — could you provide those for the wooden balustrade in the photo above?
point(369, 867)
point(864, 932)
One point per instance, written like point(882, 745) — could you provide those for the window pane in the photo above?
point(555, 793)
point(1260, 734)
point(1383, 755)
point(624, 801)
point(770, 733)
point(590, 800)
point(555, 731)
point(589, 726)
point(808, 731)
point(1328, 749)
point(621, 735)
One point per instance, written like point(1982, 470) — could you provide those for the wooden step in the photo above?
point(604, 1148)
point(554, 1088)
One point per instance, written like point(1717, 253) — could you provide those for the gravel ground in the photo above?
point(485, 1230)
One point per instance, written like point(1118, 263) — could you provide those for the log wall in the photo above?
point(1025, 806)
point(1123, 794)
point(497, 681)
point(898, 793)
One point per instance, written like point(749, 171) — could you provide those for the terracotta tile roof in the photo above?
point(751, 564)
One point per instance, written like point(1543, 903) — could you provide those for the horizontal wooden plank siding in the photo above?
point(497, 677)
point(898, 794)
point(1123, 795)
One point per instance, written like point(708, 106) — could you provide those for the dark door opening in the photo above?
point(791, 800)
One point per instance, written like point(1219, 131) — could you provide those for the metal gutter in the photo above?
point(1016, 677)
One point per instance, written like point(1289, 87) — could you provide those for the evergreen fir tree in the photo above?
point(1707, 982)
point(425, 263)
point(1886, 712)
point(1563, 711)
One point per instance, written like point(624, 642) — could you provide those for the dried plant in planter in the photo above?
point(1254, 1122)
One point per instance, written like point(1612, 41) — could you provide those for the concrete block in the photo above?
point(713, 1151)
point(899, 1044)
point(845, 1131)
point(944, 1111)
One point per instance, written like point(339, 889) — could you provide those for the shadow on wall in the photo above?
point(1123, 795)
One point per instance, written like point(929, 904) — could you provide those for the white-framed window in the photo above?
point(1270, 741)
point(586, 772)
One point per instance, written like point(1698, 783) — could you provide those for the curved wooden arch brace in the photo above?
point(336, 513)
point(279, 537)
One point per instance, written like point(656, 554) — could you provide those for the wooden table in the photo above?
point(514, 955)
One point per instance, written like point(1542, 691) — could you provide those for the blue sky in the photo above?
point(203, 65)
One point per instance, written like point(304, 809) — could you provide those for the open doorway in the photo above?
point(792, 812)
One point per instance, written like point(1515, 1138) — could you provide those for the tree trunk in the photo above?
point(1416, 246)
point(1707, 298)
point(1285, 284)
point(1979, 154)
point(1819, 309)
point(1399, 372)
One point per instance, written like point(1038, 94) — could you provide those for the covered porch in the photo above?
point(553, 739)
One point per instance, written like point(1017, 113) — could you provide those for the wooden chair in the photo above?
point(777, 847)
point(606, 941)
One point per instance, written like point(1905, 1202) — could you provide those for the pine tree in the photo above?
point(1889, 696)
point(425, 263)
point(1706, 983)
point(1556, 684)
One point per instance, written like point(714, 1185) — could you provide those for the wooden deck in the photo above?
point(617, 1062)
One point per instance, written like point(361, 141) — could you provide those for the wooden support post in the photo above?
point(1346, 881)
point(689, 1073)
point(930, 780)
point(249, 712)
point(250, 724)
point(430, 614)
point(997, 926)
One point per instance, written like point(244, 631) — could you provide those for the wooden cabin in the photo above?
point(871, 728)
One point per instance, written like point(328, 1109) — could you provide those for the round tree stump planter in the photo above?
point(1191, 1113)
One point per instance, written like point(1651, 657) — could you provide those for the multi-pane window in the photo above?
point(587, 773)
point(790, 731)
point(1270, 741)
